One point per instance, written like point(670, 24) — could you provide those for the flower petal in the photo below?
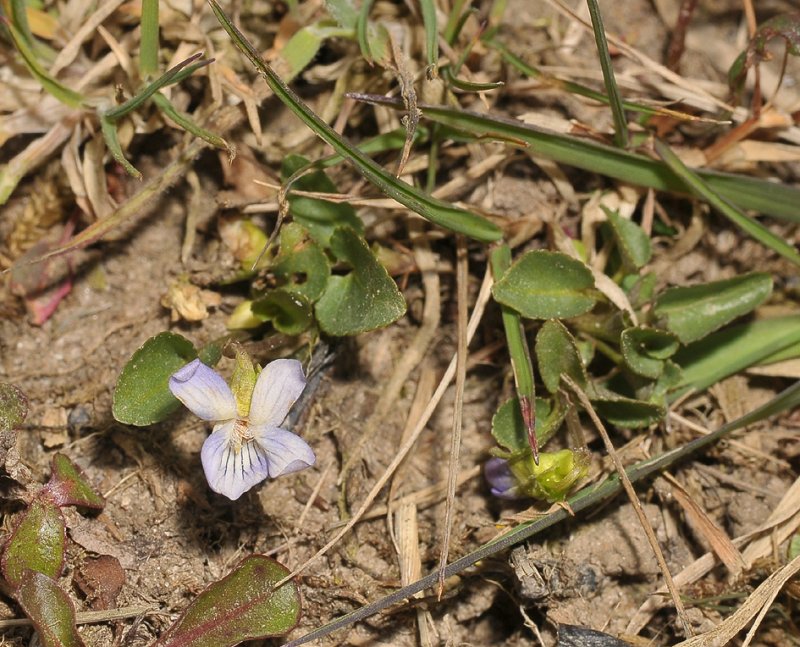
point(203, 392)
point(501, 480)
point(278, 386)
point(229, 471)
point(286, 452)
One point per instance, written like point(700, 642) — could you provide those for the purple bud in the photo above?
point(501, 480)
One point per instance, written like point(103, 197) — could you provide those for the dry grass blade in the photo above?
point(462, 280)
point(758, 603)
point(637, 506)
point(402, 452)
point(784, 521)
point(720, 542)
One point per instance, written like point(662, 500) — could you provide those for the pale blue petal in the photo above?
point(277, 388)
point(286, 452)
point(231, 471)
point(203, 392)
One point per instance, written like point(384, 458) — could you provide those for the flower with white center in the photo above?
point(246, 445)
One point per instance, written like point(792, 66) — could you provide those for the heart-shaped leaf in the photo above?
point(50, 610)
point(142, 396)
point(290, 313)
point(37, 543)
point(546, 285)
point(320, 217)
point(366, 298)
point(695, 311)
point(557, 354)
point(509, 429)
point(300, 264)
point(13, 407)
point(68, 485)
point(241, 606)
point(645, 349)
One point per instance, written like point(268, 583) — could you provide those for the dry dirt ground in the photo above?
point(173, 536)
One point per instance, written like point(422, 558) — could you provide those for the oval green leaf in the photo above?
point(301, 264)
point(241, 606)
point(50, 610)
point(557, 354)
point(698, 310)
point(632, 242)
point(366, 298)
point(142, 396)
point(290, 313)
point(546, 285)
point(645, 349)
point(37, 543)
point(509, 429)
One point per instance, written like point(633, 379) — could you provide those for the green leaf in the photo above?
point(291, 313)
point(509, 429)
point(431, 32)
point(695, 311)
point(241, 606)
point(343, 12)
point(305, 43)
point(300, 264)
point(142, 396)
point(50, 611)
point(37, 543)
point(701, 188)
point(729, 351)
point(366, 298)
point(69, 486)
point(645, 349)
point(13, 407)
point(438, 212)
point(173, 75)
point(621, 138)
point(626, 412)
point(320, 217)
point(546, 285)
point(185, 122)
point(148, 45)
point(109, 130)
point(632, 242)
point(557, 355)
point(61, 92)
point(773, 198)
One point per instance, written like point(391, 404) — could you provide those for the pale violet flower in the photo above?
point(245, 446)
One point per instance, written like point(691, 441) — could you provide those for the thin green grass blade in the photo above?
point(361, 30)
point(454, 22)
point(589, 497)
point(518, 350)
point(469, 86)
point(185, 122)
point(431, 33)
point(721, 354)
point(19, 18)
point(438, 212)
point(734, 214)
point(174, 75)
point(615, 100)
point(109, 130)
point(148, 48)
point(771, 198)
point(584, 91)
point(61, 92)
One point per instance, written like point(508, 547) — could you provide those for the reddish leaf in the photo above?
point(50, 610)
point(37, 543)
point(241, 606)
point(69, 486)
